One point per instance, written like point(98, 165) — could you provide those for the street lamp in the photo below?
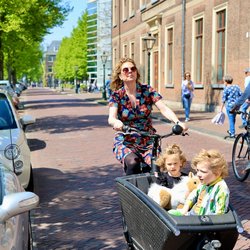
point(149, 42)
point(104, 58)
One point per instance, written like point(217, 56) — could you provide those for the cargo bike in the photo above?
point(147, 226)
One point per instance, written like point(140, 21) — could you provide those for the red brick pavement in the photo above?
point(74, 170)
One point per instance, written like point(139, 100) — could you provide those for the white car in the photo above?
point(14, 149)
point(5, 85)
point(15, 203)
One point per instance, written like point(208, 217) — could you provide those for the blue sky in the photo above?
point(58, 33)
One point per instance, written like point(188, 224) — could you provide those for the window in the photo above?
point(198, 50)
point(50, 69)
point(125, 50)
point(115, 12)
point(114, 56)
point(132, 50)
point(220, 44)
point(51, 58)
point(125, 9)
point(169, 56)
point(131, 8)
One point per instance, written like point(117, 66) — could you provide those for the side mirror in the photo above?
point(27, 120)
point(17, 203)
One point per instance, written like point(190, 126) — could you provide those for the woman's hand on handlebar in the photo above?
point(183, 125)
point(118, 125)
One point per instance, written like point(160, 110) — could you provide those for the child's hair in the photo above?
point(170, 150)
point(216, 160)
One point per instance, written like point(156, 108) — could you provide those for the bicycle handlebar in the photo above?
point(176, 130)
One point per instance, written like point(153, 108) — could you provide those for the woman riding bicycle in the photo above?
point(131, 104)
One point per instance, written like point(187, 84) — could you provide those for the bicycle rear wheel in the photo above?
point(240, 157)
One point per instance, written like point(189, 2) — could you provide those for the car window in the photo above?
point(7, 120)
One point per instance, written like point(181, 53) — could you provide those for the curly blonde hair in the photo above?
point(173, 149)
point(116, 81)
point(216, 160)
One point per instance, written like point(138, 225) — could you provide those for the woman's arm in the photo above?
point(169, 114)
point(113, 121)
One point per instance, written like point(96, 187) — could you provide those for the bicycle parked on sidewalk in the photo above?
point(241, 152)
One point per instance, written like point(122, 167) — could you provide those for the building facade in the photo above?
point(207, 38)
point(99, 40)
point(50, 57)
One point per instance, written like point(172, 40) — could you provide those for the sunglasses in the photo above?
point(126, 70)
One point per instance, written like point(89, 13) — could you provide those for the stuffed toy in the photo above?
point(172, 198)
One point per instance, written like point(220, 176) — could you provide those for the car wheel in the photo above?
point(30, 186)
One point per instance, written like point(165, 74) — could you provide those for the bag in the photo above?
point(187, 96)
point(219, 119)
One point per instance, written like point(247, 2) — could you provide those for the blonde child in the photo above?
point(171, 162)
point(212, 196)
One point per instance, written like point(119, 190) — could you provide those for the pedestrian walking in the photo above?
point(230, 95)
point(131, 104)
point(187, 94)
point(246, 104)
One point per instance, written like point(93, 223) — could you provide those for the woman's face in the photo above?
point(128, 72)
point(173, 165)
point(205, 174)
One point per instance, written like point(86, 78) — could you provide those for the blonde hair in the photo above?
point(173, 149)
point(116, 81)
point(216, 160)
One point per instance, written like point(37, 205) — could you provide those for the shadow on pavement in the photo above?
point(89, 205)
point(36, 144)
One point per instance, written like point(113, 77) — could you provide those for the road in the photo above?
point(75, 171)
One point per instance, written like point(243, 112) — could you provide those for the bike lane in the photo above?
point(74, 172)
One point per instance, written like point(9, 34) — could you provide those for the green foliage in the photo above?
point(71, 59)
point(23, 24)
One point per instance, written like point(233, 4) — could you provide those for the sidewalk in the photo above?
point(200, 120)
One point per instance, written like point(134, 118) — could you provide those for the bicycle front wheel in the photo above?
point(240, 157)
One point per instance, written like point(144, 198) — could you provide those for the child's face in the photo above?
point(205, 174)
point(173, 165)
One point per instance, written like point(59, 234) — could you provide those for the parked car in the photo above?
point(15, 204)
point(14, 149)
point(5, 85)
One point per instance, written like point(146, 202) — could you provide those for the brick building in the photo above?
point(207, 38)
point(49, 59)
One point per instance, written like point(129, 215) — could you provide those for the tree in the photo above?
point(71, 59)
point(26, 21)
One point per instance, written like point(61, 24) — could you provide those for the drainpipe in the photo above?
point(183, 39)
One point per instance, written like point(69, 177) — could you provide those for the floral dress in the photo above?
point(138, 117)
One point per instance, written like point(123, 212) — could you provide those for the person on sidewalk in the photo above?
point(230, 94)
point(187, 94)
point(246, 104)
point(131, 104)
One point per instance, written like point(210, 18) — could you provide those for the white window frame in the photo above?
point(193, 60)
point(214, 44)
